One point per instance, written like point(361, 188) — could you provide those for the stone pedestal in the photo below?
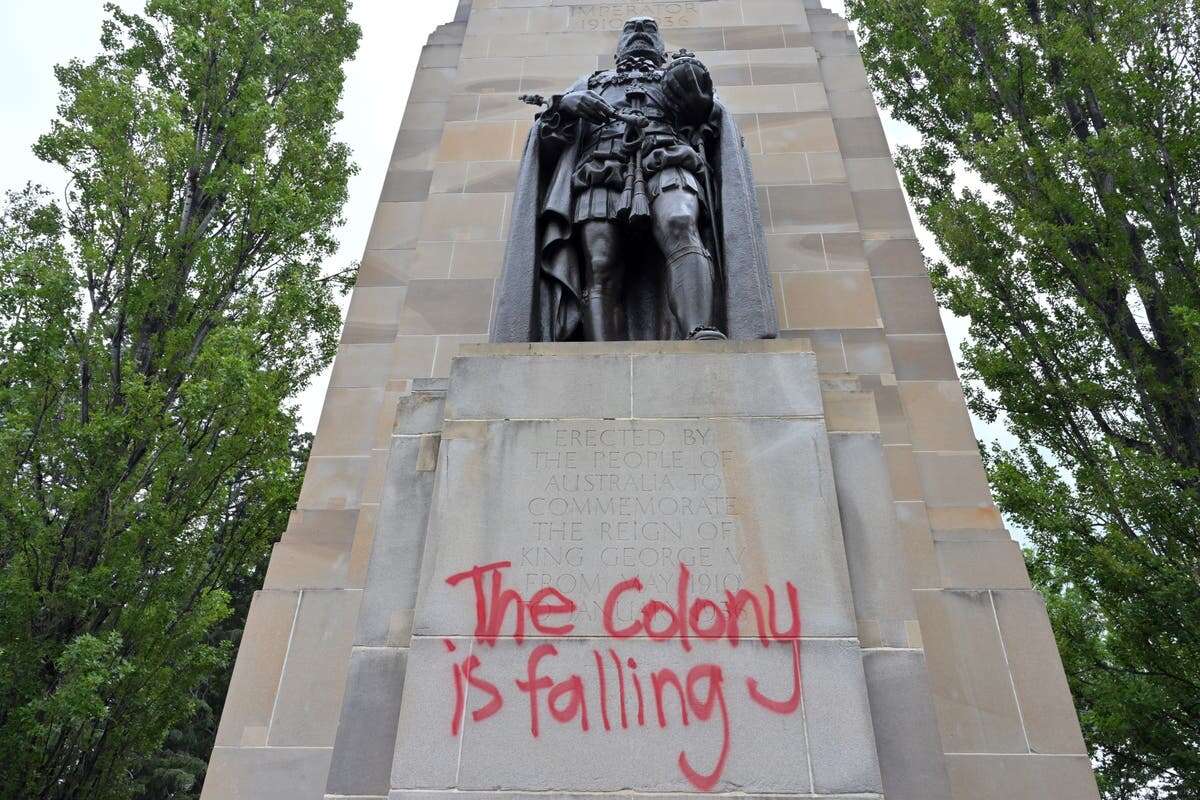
point(634, 578)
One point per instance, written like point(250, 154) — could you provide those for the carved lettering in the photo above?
point(612, 16)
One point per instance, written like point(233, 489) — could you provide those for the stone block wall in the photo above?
point(951, 619)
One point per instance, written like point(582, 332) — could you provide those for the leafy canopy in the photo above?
point(1076, 262)
point(154, 327)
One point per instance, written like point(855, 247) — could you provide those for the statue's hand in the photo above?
point(588, 105)
point(689, 88)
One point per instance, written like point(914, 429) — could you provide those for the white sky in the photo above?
point(36, 35)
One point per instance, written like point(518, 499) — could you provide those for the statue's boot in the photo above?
point(692, 282)
point(603, 316)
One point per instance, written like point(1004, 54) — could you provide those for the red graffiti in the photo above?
point(567, 701)
point(491, 606)
point(788, 706)
point(685, 618)
point(674, 698)
point(704, 709)
point(466, 672)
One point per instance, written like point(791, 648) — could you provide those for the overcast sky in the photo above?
point(37, 34)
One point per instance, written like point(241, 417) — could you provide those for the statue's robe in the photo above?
point(538, 296)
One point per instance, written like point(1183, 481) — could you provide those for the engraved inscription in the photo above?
point(640, 581)
point(612, 16)
point(634, 501)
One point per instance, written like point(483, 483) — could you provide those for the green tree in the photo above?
point(154, 329)
point(1075, 258)
point(176, 770)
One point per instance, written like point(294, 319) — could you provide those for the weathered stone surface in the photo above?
point(953, 480)
point(426, 756)
point(913, 528)
point(610, 17)
point(314, 556)
point(1037, 673)
point(830, 300)
point(907, 304)
point(851, 411)
point(260, 773)
point(937, 418)
point(754, 385)
point(981, 564)
point(310, 692)
point(873, 549)
point(533, 387)
point(972, 690)
point(922, 357)
point(733, 502)
point(742, 503)
point(838, 717)
point(910, 751)
point(392, 576)
point(999, 777)
point(366, 735)
point(259, 666)
point(420, 412)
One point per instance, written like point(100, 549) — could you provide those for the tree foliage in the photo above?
point(154, 327)
point(1075, 258)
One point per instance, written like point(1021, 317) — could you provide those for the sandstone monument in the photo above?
point(644, 468)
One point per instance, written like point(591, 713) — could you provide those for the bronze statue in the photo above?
point(635, 213)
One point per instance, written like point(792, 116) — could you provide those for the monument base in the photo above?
point(624, 567)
